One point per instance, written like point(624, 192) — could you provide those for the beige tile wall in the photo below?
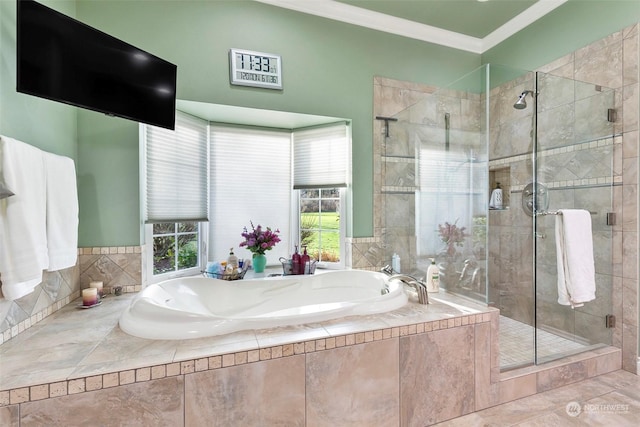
point(115, 266)
point(611, 62)
point(416, 374)
point(119, 266)
point(286, 384)
point(58, 288)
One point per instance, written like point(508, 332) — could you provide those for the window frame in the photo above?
point(294, 223)
point(203, 229)
point(341, 230)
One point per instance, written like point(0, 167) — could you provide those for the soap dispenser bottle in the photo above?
point(495, 201)
point(296, 262)
point(232, 260)
point(395, 263)
point(433, 277)
point(304, 261)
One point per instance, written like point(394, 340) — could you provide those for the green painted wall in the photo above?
point(573, 25)
point(328, 69)
point(48, 125)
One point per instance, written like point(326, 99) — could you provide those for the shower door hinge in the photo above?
point(612, 115)
point(611, 218)
point(610, 321)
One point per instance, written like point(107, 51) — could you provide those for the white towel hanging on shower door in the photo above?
point(574, 247)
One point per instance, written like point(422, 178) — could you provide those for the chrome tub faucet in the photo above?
point(418, 285)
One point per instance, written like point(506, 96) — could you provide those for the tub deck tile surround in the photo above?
point(433, 369)
point(312, 365)
point(89, 342)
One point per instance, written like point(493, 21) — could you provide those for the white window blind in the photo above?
point(250, 181)
point(176, 164)
point(321, 157)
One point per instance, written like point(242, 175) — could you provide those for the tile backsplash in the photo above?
point(115, 266)
point(119, 266)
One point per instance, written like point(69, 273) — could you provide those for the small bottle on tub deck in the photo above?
point(304, 261)
point(232, 260)
point(395, 263)
point(296, 262)
point(433, 277)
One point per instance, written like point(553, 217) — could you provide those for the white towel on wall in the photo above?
point(23, 235)
point(62, 211)
point(574, 248)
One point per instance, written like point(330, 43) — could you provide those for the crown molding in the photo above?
point(403, 27)
point(519, 22)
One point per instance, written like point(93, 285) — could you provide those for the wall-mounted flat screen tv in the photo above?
point(62, 59)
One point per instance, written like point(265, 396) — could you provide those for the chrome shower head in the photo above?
point(521, 103)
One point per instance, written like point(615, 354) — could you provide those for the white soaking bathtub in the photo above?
point(196, 307)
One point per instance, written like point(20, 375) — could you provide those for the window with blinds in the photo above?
point(321, 157)
point(176, 165)
point(250, 181)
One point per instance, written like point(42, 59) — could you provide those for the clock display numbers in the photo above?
point(256, 69)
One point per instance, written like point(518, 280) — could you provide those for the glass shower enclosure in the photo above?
point(473, 175)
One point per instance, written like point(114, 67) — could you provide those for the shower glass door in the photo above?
point(528, 135)
point(449, 143)
point(434, 186)
point(575, 167)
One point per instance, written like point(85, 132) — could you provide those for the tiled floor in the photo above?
point(517, 344)
point(611, 400)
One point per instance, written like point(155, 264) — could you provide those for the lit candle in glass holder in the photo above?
point(89, 296)
point(98, 286)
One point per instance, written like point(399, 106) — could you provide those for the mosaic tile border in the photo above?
point(396, 189)
point(138, 375)
point(34, 319)
point(584, 145)
point(110, 250)
point(578, 146)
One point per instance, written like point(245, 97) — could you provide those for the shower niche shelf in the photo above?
point(399, 174)
point(501, 176)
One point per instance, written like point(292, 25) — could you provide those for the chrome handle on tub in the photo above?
point(418, 285)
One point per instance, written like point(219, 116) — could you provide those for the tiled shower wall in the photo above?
point(612, 63)
point(582, 169)
point(114, 266)
point(372, 253)
point(577, 163)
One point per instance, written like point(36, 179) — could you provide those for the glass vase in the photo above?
point(259, 262)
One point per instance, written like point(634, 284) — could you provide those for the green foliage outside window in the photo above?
point(175, 247)
point(320, 224)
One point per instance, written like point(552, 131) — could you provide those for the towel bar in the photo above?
point(543, 213)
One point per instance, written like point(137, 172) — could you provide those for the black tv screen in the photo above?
point(62, 59)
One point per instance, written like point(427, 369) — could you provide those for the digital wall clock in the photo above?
point(257, 69)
